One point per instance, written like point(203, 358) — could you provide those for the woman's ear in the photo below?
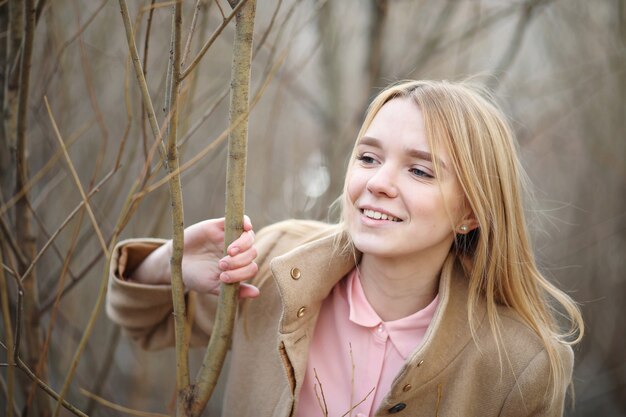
point(467, 223)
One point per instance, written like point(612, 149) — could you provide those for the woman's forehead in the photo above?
point(400, 122)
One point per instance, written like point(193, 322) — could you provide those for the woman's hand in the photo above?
point(204, 266)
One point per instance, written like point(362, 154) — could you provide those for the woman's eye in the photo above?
point(420, 173)
point(366, 159)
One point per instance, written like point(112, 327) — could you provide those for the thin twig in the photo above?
point(209, 111)
point(8, 337)
point(145, 94)
point(159, 5)
point(34, 180)
point(146, 43)
point(118, 407)
point(439, 394)
point(219, 6)
point(192, 29)
point(352, 367)
point(23, 224)
point(52, 321)
point(50, 242)
point(105, 366)
point(70, 40)
point(92, 217)
point(201, 154)
point(8, 237)
point(359, 403)
point(211, 39)
point(322, 402)
point(86, 334)
point(7, 269)
point(22, 365)
point(103, 284)
point(261, 42)
point(5, 389)
point(81, 275)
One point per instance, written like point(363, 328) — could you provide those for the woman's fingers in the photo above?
point(240, 260)
point(247, 223)
point(248, 291)
point(239, 274)
point(241, 244)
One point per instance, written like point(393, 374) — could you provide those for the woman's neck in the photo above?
point(398, 289)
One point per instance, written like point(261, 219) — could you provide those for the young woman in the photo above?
point(424, 300)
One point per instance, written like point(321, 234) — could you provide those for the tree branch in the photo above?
point(235, 187)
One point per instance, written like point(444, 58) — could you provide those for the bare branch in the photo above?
point(8, 337)
point(54, 235)
point(145, 94)
point(21, 365)
point(192, 29)
point(118, 407)
point(321, 402)
point(32, 181)
point(221, 335)
point(176, 197)
point(211, 39)
point(210, 147)
point(92, 217)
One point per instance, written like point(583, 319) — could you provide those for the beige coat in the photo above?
point(449, 375)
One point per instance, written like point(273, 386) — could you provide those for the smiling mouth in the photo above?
point(376, 215)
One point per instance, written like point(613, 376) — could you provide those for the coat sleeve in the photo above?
point(531, 395)
point(145, 311)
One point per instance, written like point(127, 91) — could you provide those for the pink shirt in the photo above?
point(348, 325)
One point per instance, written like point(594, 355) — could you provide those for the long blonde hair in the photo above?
point(463, 120)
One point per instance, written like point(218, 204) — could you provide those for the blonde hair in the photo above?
point(463, 120)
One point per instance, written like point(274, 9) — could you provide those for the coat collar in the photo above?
point(307, 274)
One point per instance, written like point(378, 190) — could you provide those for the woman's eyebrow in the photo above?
point(413, 153)
point(426, 156)
point(370, 141)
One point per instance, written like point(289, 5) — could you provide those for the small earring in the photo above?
point(464, 228)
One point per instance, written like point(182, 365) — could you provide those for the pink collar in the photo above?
point(405, 333)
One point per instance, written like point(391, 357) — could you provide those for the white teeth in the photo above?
point(379, 216)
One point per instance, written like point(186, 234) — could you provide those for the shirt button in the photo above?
point(295, 273)
point(407, 387)
point(380, 328)
point(301, 312)
point(397, 408)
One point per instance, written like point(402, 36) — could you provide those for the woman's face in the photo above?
point(396, 207)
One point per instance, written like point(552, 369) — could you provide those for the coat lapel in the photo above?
point(304, 277)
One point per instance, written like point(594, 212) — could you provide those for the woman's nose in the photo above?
point(383, 182)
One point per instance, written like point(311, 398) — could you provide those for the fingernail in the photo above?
point(224, 277)
point(233, 251)
point(223, 264)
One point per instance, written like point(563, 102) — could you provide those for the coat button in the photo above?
point(407, 387)
point(301, 312)
point(295, 273)
point(397, 408)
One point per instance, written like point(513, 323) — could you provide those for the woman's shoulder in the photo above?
point(298, 228)
point(294, 232)
point(281, 237)
point(524, 348)
point(533, 362)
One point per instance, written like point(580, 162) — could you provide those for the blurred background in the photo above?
point(557, 67)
